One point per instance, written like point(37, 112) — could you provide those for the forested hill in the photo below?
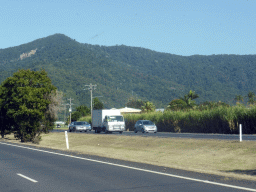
point(121, 71)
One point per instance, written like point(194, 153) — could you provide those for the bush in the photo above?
point(75, 116)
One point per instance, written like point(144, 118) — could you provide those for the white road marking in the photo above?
point(145, 170)
point(34, 181)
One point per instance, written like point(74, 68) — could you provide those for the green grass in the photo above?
point(86, 118)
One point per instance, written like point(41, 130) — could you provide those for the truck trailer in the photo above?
point(108, 121)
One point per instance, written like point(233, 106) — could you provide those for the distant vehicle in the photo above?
point(108, 120)
point(145, 126)
point(69, 125)
point(88, 126)
point(79, 126)
point(58, 125)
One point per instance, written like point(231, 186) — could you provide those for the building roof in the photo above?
point(161, 110)
point(129, 110)
point(59, 122)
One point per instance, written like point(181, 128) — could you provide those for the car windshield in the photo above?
point(115, 118)
point(80, 123)
point(147, 123)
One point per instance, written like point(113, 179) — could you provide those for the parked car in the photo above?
point(145, 126)
point(58, 125)
point(79, 126)
point(70, 126)
point(88, 126)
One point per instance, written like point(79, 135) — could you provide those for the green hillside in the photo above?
point(121, 71)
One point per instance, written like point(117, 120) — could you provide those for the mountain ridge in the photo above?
point(121, 72)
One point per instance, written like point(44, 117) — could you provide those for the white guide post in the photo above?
point(66, 135)
point(240, 132)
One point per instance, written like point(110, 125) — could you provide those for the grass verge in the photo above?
point(220, 157)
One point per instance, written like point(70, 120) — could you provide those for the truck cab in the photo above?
point(113, 123)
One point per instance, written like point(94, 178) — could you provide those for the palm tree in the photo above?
point(189, 97)
point(239, 98)
point(148, 107)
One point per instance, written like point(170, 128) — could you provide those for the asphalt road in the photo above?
point(180, 135)
point(30, 169)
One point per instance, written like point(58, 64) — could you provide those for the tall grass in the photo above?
point(217, 120)
point(86, 118)
point(221, 119)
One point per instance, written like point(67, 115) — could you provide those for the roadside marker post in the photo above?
point(66, 135)
point(240, 132)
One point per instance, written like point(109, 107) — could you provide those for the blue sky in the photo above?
point(181, 27)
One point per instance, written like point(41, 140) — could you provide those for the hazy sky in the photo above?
point(182, 27)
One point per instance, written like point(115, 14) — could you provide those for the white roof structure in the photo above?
point(59, 122)
point(160, 110)
point(129, 110)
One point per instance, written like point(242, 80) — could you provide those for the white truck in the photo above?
point(108, 120)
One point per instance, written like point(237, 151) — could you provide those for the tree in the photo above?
point(177, 104)
point(51, 114)
point(239, 98)
point(189, 97)
point(84, 110)
point(135, 103)
point(148, 107)
point(184, 102)
point(75, 116)
point(97, 104)
point(251, 97)
point(27, 97)
point(5, 127)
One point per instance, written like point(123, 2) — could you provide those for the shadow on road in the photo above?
point(247, 172)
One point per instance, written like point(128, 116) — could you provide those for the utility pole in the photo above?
point(91, 87)
point(64, 105)
point(70, 109)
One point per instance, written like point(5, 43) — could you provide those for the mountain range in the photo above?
point(121, 72)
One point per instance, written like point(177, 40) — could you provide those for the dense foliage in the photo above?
point(121, 72)
point(84, 110)
point(97, 104)
point(216, 119)
point(183, 103)
point(135, 103)
point(148, 107)
point(25, 104)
